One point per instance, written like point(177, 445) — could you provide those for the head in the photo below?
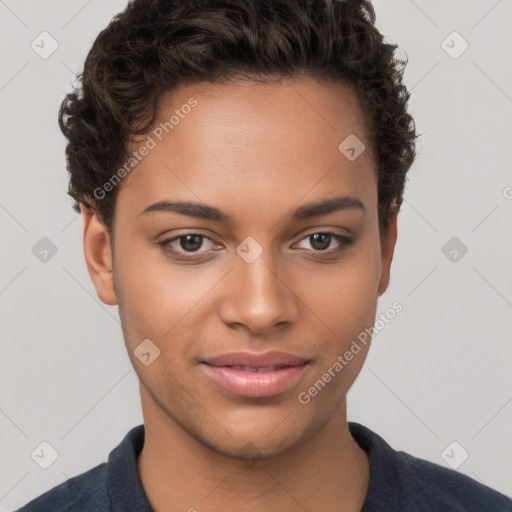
point(257, 112)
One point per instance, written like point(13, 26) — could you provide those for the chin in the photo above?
point(250, 449)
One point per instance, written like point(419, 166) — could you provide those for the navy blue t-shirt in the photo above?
point(398, 482)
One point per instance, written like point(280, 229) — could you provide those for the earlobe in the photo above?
point(387, 249)
point(98, 255)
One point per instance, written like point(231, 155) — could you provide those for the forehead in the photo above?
point(247, 140)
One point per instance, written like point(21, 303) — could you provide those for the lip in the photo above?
point(255, 375)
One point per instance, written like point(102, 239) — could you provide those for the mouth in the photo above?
point(256, 368)
point(255, 375)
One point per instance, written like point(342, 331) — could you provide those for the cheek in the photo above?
point(148, 298)
point(343, 296)
point(157, 299)
point(160, 298)
point(347, 309)
point(345, 300)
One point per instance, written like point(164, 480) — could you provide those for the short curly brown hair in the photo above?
point(154, 45)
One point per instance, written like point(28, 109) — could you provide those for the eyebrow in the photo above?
point(306, 211)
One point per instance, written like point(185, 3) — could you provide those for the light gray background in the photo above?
point(438, 373)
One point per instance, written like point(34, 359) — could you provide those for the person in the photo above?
point(239, 166)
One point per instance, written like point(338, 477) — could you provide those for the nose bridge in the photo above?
point(257, 295)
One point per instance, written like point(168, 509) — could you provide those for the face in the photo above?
point(257, 274)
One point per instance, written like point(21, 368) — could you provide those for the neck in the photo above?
point(328, 472)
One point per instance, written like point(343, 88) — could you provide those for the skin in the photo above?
point(257, 152)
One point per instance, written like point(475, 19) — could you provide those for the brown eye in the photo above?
point(190, 243)
point(182, 245)
point(321, 241)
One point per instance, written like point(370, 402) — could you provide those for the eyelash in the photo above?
point(343, 240)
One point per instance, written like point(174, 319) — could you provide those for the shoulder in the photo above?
point(425, 482)
point(400, 481)
point(110, 485)
point(85, 492)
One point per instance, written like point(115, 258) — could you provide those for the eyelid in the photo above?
point(311, 231)
point(344, 241)
point(175, 238)
point(328, 230)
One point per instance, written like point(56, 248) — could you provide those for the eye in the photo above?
point(188, 243)
point(321, 241)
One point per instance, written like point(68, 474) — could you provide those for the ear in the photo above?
point(98, 255)
point(388, 243)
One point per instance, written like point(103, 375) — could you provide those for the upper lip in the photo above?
point(256, 359)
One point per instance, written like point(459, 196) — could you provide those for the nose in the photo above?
point(258, 296)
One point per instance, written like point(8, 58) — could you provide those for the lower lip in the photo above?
point(255, 384)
